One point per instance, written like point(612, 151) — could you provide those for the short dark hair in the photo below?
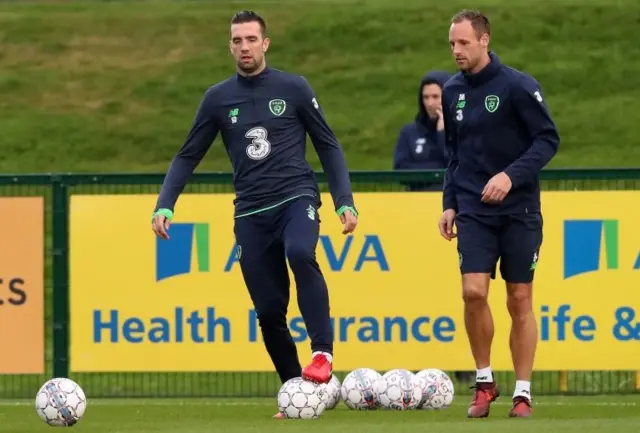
point(479, 21)
point(248, 17)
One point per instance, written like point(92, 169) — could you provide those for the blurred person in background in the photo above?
point(420, 143)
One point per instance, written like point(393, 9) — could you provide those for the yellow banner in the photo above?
point(142, 304)
point(21, 285)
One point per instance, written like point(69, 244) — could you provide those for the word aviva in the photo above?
point(351, 254)
point(178, 327)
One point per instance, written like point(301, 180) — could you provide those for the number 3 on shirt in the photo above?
point(459, 116)
point(259, 147)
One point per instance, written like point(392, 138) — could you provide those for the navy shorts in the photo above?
point(515, 240)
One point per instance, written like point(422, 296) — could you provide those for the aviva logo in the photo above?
point(175, 255)
point(591, 245)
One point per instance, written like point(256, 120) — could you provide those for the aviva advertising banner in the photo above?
point(143, 304)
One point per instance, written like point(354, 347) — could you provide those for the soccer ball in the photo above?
point(61, 402)
point(402, 391)
point(302, 399)
point(361, 389)
point(437, 389)
point(333, 392)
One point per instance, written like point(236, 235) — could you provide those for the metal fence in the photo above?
point(56, 190)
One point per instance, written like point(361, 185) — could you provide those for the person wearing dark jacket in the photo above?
point(500, 135)
point(421, 143)
point(263, 116)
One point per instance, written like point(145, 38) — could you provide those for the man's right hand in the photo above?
point(446, 224)
point(160, 225)
point(440, 122)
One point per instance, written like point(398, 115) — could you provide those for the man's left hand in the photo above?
point(349, 220)
point(496, 189)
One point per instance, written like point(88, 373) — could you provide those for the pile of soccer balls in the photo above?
point(60, 402)
point(366, 389)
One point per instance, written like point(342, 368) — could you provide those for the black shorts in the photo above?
point(515, 240)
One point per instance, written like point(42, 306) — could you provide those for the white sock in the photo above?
point(523, 389)
point(484, 375)
point(327, 355)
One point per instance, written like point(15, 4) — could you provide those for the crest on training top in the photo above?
point(491, 103)
point(277, 106)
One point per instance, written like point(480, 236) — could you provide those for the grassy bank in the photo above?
point(113, 86)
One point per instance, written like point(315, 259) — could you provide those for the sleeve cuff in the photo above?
point(512, 177)
point(167, 213)
point(345, 208)
point(449, 204)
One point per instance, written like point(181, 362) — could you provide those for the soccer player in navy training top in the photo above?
point(263, 116)
point(499, 135)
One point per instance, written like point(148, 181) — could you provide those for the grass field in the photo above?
point(113, 86)
point(552, 414)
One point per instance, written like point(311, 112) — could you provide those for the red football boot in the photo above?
point(319, 371)
point(521, 408)
point(280, 415)
point(485, 394)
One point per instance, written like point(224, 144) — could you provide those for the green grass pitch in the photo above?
point(551, 414)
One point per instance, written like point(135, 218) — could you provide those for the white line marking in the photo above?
point(221, 402)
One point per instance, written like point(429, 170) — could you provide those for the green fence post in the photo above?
point(60, 217)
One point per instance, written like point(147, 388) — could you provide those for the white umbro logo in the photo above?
point(311, 212)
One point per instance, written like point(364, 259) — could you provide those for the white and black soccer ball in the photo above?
point(361, 389)
point(402, 391)
point(333, 392)
point(61, 402)
point(301, 399)
point(437, 389)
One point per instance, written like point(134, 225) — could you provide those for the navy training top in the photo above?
point(496, 120)
point(263, 120)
